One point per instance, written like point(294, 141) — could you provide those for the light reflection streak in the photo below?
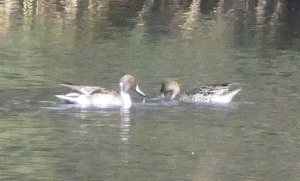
point(191, 18)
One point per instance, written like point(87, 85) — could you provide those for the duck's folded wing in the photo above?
point(221, 89)
point(87, 90)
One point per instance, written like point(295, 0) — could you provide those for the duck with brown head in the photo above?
point(216, 93)
point(170, 88)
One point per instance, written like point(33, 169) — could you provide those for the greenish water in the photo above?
point(95, 42)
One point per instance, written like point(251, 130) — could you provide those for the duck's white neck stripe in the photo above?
point(125, 97)
point(121, 86)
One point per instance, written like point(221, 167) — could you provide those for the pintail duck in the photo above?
point(88, 96)
point(217, 93)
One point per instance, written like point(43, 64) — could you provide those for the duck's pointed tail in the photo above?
point(226, 97)
point(232, 93)
point(67, 99)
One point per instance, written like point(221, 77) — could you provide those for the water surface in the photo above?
point(96, 42)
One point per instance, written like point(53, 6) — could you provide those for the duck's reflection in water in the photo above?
point(116, 120)
point(124, 125)
point(110, 118)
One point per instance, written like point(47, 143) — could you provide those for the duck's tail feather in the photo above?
point(73, 87)
point(234, 86)
point(67, 99)
point(225, 98)
point(232, 93)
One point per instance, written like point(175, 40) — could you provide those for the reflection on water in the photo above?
point(80, 17)
point(88, 113)
point(254, 42)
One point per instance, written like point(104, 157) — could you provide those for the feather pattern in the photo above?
point(215, 93)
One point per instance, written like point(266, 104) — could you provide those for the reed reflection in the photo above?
point(124, 13)
point(208, 6)
point(153, 18)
